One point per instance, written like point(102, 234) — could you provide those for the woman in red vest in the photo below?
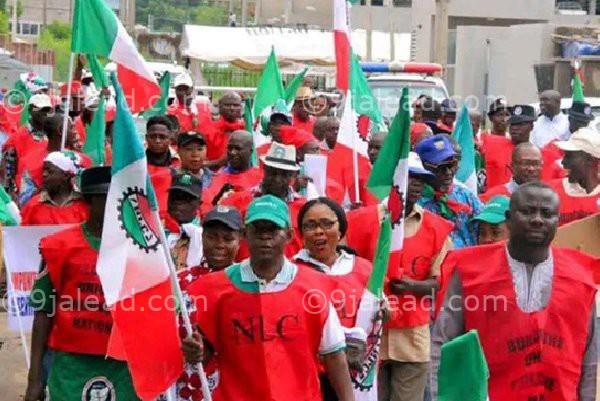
point(267, 321)
point(70, 317)
point(532, 304)
point(323, 224)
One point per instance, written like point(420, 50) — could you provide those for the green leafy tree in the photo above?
point(3, 23)
point(57, 36)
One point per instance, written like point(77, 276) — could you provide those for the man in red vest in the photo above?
point(217, 134)
point(580, 116)
point(302, 108)
point(532, 305)
point(413, 275)
point(498, 115)
point(70, 315)
point(238, 174)
point(526, 166)
point(191, 114)
point(497, 150)
point(268, 353)
point(579, 193)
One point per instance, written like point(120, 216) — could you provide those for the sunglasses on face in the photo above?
point(324, 224)
point(435, 168)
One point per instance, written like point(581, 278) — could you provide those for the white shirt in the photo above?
point(333, 338)
point(532, 293)
point(342, 265)
point(546, 130)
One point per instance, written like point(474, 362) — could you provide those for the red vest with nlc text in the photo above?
point(266, 344)
point(531, 356)
point(574, 207)
point(416, 257)
point(81, 325)
point(347, 289)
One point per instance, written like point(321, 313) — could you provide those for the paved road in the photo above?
point(13, 370)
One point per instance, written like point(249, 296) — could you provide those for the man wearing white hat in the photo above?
point(191, 114)
point(302, 110)
point(281, 170)
point(58, 202)
point(579, 193)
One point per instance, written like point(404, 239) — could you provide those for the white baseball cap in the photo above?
point(585, 140)
point(183, 79)
point(40, 101)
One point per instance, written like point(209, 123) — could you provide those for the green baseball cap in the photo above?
point(494, 212)
point(270, 208)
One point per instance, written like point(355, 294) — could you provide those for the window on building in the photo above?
point(377, 2)
point(402, 3)
point(26, 28)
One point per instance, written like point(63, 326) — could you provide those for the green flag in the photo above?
point(160, 107)
point(577, 88)
point(249, 125)
point(363, 101)
point(96, 132)
point(9, 212)
point(463, 134)
point(382, 257)
point(292, 88)
point(463, 372)
point(97, 71)
point(270, 88)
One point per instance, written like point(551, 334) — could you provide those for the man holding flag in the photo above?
point(78, 335)
point(266, 320)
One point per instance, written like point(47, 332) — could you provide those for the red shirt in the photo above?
point(80, 128)
point(551, 156)
point(40, 210)
point(217, 135)
point(186, 118)
point(495, 191)
point(304, 125)
point(241, 181)
point(497, 151)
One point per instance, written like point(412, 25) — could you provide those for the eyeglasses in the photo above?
point(435, 168)
point(324, 224)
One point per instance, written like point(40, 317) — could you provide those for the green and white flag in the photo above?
point(293, 86)
point(389, 177)
point(368, 318)
point(463, 134)
point(9, 211)
point(94, 145)
point(160, 107)
point(578, 86)
point(270, 87)
point(98, 31)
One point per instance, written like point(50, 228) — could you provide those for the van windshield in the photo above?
point(388, 94)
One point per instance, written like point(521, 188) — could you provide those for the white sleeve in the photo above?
point(333, 338)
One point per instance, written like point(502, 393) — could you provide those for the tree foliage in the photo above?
point(57, 36)
point(171, 15)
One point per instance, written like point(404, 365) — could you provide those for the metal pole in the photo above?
point(441, 33)
point(68, 103)
point(14, 21)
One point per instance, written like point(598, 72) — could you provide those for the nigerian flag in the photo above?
point(133, 266)
point(94, 145)
point(270, 87)
point(463, 134)
point(578, 87)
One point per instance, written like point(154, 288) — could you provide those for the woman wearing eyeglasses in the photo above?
point(322, 223)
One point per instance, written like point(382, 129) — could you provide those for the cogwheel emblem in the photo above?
point(137, 220)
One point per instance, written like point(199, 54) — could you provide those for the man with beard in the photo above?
point(535, 313)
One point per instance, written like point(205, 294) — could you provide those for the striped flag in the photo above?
point(98, 31)
point(389, 177)
point(133, 268)
point(342, 41)
point(463, 134)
